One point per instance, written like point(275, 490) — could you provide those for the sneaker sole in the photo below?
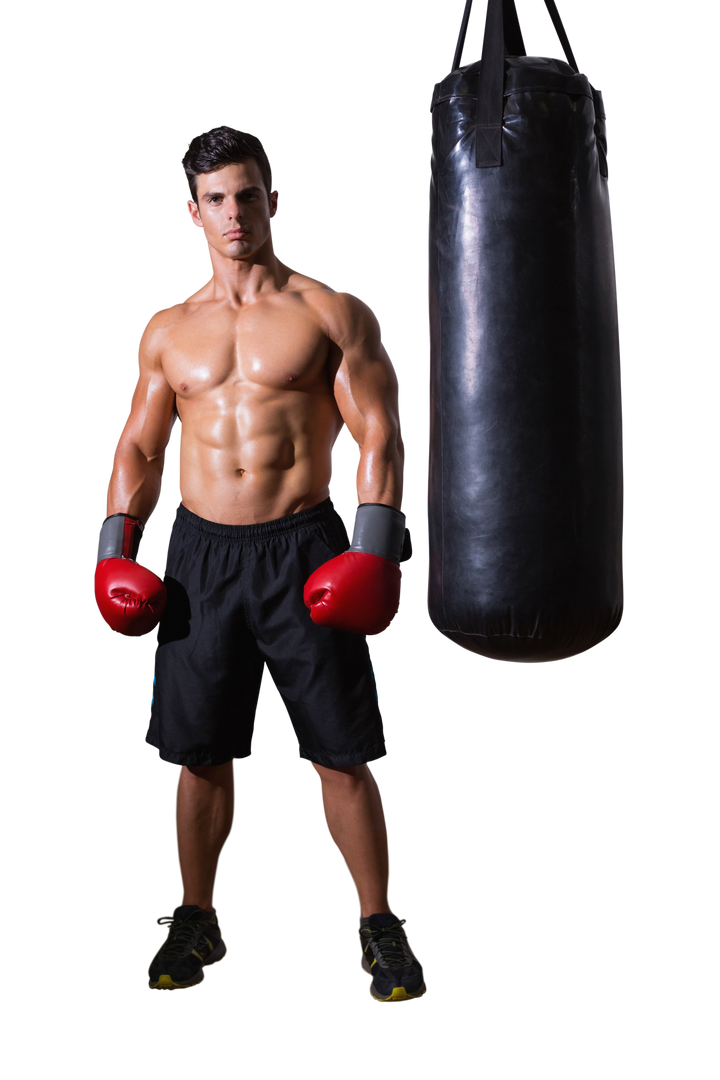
point(399, 994)
point(165, 982)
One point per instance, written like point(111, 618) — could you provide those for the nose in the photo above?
point(235, 209)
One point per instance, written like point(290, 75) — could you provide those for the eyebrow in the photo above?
point(221, 194)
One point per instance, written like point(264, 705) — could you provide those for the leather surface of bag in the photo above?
point(525, 497)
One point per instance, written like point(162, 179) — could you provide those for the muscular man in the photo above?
point(262, 366)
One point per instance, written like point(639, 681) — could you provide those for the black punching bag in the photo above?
point(525, 500)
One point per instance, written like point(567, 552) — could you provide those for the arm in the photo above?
point(140, 455)
point(359, 591)
point(131, 598)
point(366, 393)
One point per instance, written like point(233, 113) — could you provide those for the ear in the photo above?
point(273, 203)
point(195, 213)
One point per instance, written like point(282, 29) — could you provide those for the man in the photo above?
point(262, 366)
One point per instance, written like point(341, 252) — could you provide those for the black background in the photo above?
point(508, 788)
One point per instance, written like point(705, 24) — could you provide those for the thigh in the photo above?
point(324, 676)
point(207, 667)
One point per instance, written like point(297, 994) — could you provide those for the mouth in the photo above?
point(236, 234)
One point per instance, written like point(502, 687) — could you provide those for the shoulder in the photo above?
point(164, 321)
point(302, 283)
point(343, 316)
point(166, 318)
point(152, 335)
point(327, 301)
point(178, 313)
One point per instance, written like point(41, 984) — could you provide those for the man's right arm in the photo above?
point(140, 455)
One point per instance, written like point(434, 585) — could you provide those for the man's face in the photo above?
point(234, 209)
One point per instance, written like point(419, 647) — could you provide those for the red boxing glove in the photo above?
point(356, 591)
point(359, 591)
point(131, 599)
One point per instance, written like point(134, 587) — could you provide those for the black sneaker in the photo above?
point(194, 940)
point(386, 954)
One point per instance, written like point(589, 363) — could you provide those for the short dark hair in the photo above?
point(223, 146)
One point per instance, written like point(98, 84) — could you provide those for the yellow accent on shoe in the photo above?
point(165, 982)
point(196, 953)
point(399, 994)
point(374, 962)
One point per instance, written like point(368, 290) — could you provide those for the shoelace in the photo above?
point(182, 937)
point(388, 941)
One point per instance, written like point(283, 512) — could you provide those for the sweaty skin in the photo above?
point(262, 366)
point(255, 399)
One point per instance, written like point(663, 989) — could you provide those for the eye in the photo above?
point(214, 198)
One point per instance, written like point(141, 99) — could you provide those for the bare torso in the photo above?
point(254, 393)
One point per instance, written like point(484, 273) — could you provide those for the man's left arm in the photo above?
point(359, 591)
point(366, 393)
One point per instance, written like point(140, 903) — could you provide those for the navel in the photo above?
point(240, 472)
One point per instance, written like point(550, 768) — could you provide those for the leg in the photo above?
point(204, 817)
point(354, 814)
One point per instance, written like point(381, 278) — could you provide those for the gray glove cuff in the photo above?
point(120, 537)
point(380, 530)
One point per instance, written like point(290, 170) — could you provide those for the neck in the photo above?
point(242, 280)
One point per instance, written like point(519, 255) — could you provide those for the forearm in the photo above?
point(380, 473)
point(135, 482)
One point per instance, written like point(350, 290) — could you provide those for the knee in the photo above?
point(214, 774)
point(346, 778)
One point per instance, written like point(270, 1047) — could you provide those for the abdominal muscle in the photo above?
point(256, 453)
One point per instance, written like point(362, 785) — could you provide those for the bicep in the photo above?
point(152, 412)
point(365, 384)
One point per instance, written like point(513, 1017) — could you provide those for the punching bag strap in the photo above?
point(461, 36)
point(488, 132)
point(502, 37)
point(560, 31)
point(514, 45)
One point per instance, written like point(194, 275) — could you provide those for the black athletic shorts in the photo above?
point(235, 603)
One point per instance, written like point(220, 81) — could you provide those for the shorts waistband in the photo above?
point(263, 530)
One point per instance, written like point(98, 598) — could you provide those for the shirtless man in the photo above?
point(262, 366)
